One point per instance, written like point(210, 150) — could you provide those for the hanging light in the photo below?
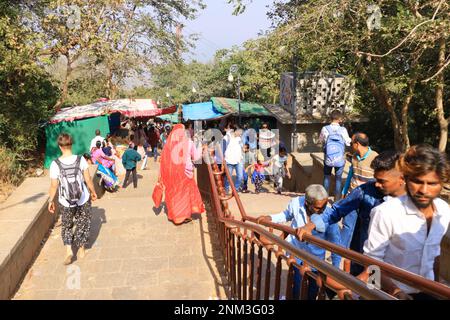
point(230, 77)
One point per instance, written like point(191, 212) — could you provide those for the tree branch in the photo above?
point(404, 39)
point(441, 69)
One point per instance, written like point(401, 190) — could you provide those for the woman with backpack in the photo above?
point(69, 174)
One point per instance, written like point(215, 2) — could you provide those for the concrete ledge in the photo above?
point(24, 222)
point(307, 169)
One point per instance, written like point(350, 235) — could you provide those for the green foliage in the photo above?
point(26, 89)
point(25, 95)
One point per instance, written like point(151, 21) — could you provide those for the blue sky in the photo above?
point(218, 28)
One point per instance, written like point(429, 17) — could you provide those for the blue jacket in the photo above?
point(296, 212)
point(130, 158)
point(362, 200)
point(250, 139)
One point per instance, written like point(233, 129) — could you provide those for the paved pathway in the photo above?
point(135, 254)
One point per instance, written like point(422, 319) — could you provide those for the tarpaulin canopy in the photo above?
point(82, 131)
point(201, 111)
point(172, 117)
point(133, 108)
point(226, 105)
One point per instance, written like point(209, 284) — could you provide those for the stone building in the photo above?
point(318, 94)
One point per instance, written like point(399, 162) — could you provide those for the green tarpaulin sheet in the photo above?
point(82, 132)
point(226, 105)
point(172, 117)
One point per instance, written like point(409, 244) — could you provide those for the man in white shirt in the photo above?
point(97, 137)
point(407, 231)
point(233, 158)
point(69, 173)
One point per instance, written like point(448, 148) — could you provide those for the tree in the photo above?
point(385, 45)
point(114, 32)
point(25, 93)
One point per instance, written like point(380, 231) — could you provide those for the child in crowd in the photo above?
point(258, 172)
point(129, 160)
point(247, 161)
point(106, 148)
point(279, 168)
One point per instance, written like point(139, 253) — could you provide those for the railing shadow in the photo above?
point(220, 279)
point(27, 200)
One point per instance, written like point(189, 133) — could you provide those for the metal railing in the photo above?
point(249, 249)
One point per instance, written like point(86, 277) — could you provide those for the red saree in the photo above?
point(182, 196)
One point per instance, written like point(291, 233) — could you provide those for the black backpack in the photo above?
point(70, 181)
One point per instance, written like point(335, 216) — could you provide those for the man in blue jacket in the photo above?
point(389, 182)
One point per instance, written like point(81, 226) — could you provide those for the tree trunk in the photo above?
point(110, 84)
point(65, 85)
point(400, 127)
point(385, 101)
point(443, 122)
point(404, 115)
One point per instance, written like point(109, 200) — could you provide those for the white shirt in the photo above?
point(94, 141)
point(54, 174)
point(266, 138)
point(233, 153)
point(398, 236)
point(279, 161)
point(324, 134)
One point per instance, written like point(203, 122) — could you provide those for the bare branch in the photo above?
point(441, 69)
point(406, 38)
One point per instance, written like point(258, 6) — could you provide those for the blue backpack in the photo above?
point(334, 148)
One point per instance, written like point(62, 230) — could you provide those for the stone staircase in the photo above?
point(135, 253)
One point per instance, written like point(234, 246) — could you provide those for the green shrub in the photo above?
point(11, 172)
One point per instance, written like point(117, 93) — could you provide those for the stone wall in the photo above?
point(308, 136)
point(24, 224)
point(307, 169)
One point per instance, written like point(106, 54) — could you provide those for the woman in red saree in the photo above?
point(182, 196)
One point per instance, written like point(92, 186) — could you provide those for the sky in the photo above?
point(219, 29)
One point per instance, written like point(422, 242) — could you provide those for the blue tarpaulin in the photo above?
point(201, 111)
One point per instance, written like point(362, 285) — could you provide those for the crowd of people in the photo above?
point(389, 207)
point(258, 155)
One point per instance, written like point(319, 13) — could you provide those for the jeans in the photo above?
point(244, 185)
point(313, 289)
point(338, 171)
point(348, 228)
point(133, 171)
point(155, 152)
point(239, 170)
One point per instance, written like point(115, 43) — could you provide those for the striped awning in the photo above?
point(132, 108)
